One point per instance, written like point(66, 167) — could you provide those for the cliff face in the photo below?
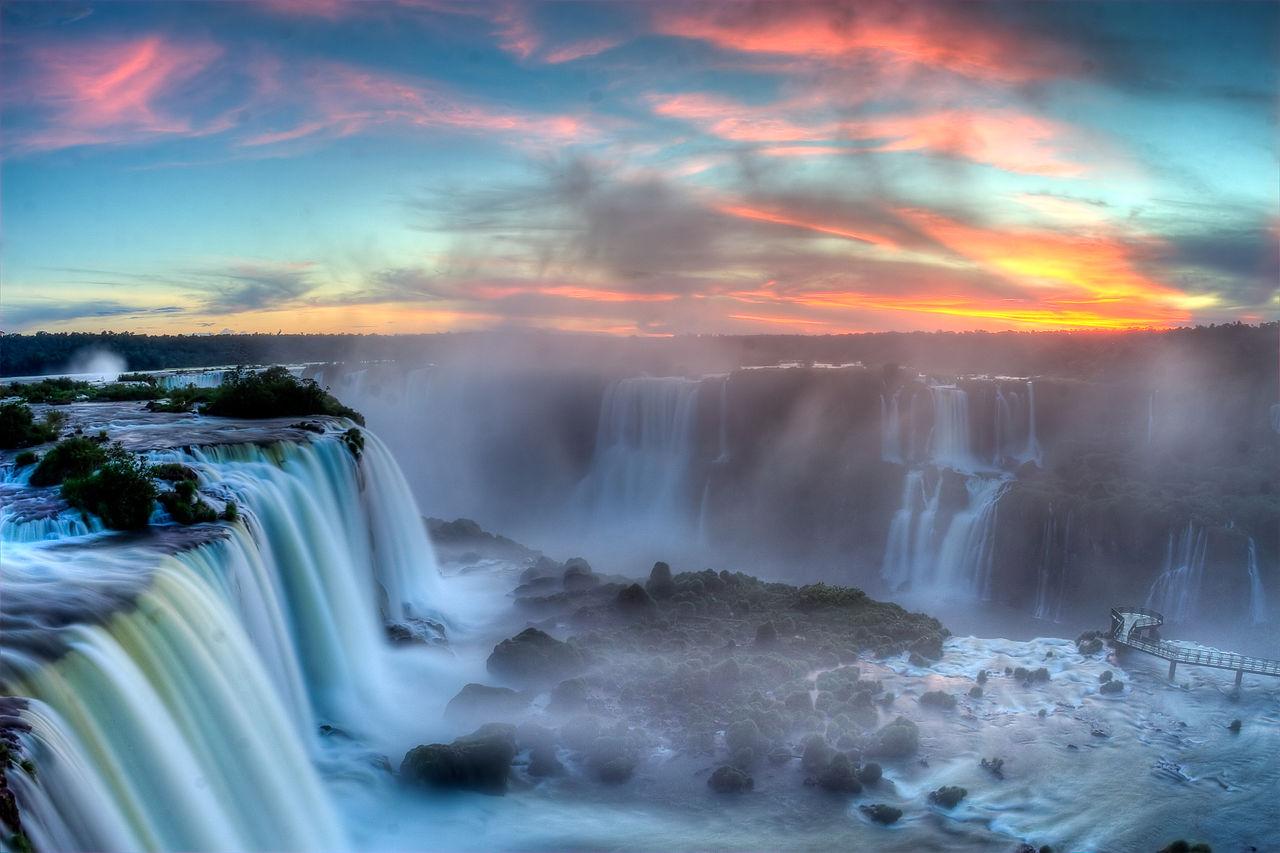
point(1049, 495)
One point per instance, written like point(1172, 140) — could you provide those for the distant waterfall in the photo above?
point(1003, 429)
point(950, 445)
point(1033, 452)
point(644, 449)
point(187, 719)
point(1258, 614)
point(1176, 591)
point(722, 434)
point(966, 556)
point(957, 557)
point(890, 428)
point(1051, 579)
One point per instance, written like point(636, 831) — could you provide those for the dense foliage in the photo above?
point(271, 393)
point(19, 428)
point(120, 493)
point(74, 457)
point(60, 390)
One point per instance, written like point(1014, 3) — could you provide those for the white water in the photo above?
point(644, 450)
point(949, 443)
point(1175, 593)
point(189, 721)
point(891, 428)
point(1258, 613)
point(1051, 580)
point(955, 559)
point(1033, 452)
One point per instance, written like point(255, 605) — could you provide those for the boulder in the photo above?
point(839, 776)
point(480, 761)
point(898, 739)
point(633, 600)
point(1112, 686)
point(948, 796)
point(534, 657)
point(578, 576)
point(612, 759)
point(485, 702)
point(569, 696)
point(543, 762)
point(938, 699)
point(881, 813)
point(660, 583)
point(766, 635)
point(870, 773)
point(730, 780)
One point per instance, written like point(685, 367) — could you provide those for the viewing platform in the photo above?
point(1137, 628)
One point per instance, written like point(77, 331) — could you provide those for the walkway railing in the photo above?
point(1128, 624)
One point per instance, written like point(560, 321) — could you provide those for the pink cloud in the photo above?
point(580, 50)
point(948, 37)
point(342, 100)
point(112, 92)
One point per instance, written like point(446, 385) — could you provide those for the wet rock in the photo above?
point(660, 584)
point(994, 766)
point(948, 796)
point(730, 780)
point(537, 586)
point(635, 601)
point(415, 631)
point(1234, 727)
point(1181, 846)
point(544, 762)
point(543, 567)
point(870, 773)
point(532, 657)
point(480, 761)
point(976, 691)
point(928, 646)
point(766, 635)
point(881, 813)
point(898, 739)
point(568, 696)
point(485, 702)
point(839, 776)
point(938, 699)
point(578, 576)
point(1112, 686)
point(1105, 677)
point(612, 758)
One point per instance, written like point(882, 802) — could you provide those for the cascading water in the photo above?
point(890, 428)
point(1176, 591)
point(966, 556)
point(644, 450)
point(1051, 579)
point(896, 569)
point(1033, 452)
point(950, 445)
point(1258, 613)
point(176, 706)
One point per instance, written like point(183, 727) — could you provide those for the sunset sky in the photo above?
point(637, 168)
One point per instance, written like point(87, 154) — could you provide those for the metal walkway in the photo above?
point(1135, 628)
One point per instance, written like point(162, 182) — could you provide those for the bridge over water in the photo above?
point(1137, 628)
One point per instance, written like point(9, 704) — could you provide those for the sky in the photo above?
point(637, 168)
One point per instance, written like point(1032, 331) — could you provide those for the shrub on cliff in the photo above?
point(19, 428)
point(120, 493)
point(948, 796)
point(185, 506)
point(274, 393)
point(72, 457)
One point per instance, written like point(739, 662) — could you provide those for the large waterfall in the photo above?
point(1258, 613)
point(644, 451)
point(949, 444)
point(1176, 591)
point(174, 685)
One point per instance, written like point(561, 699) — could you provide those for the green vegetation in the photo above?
point(273, 393)
point(230, 512)
point(354, 440)
point(25, 458)
point(19, 428)
point(61, 390)
point(72, 457)
point(120, 493)
point(185, 506)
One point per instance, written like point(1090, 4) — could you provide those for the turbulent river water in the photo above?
point(232, 687)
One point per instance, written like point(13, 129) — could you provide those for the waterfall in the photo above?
point(963, 559)
point(1033, 452)
point(644, 449)
point(1043, 608)
point(1176, 591)
point(1051, 579)
point(1258, 614)
point(1151, 416)
point(174, 683)
point(896, 568)
point(966, 556)
point(1003, 429)
point(949, 443)
point(723, 434)
point(890, 428)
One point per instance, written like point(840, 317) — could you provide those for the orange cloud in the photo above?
point(935, 36)
point(743, 211)
point(110, 92)
point(567, 291)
